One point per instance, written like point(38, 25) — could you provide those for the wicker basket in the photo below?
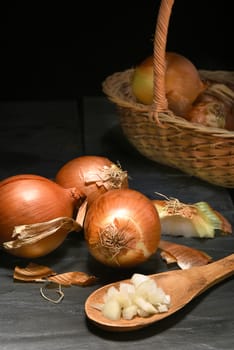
point(204, 152)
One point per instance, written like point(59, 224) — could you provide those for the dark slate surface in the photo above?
point(38, 136)
point(51, 135)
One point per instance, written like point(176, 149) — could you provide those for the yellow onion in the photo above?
point(27, 200)
point(122, 228)
point(92, 175)
point(214, 107)
point(182, 82)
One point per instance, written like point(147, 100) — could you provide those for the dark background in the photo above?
point(53, 50)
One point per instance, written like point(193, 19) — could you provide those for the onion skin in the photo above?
point(182, 82)
point(42, 247)
point(122, 228)
point(27, 199)
point(89, 174)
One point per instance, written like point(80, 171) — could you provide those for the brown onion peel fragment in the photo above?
point(185, 257)
point(26, 236)
point(73, 278)
point(39, 273)
point(80, 217)
point(32, 273)
point(170, 259)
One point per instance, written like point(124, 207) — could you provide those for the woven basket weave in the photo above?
point(204, 152)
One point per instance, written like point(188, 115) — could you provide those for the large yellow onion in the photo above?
point(93, 175)
point(28, 199)
point(182, 82)
point(122, 228)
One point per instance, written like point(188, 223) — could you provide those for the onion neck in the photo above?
point(76, 196)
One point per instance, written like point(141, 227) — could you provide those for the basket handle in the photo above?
point(160, 103)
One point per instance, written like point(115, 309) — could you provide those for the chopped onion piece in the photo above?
point(112, 310)
point(138, 278)
point(140, 297)
point(127, 288)
point(146, 287)
point(124, 299)
point(144, 305)
point(162, 308)
point(129, 312)
point(111, 292)
point(142, 313)
point(159, 297)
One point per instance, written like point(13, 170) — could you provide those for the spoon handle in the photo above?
point(217, 271)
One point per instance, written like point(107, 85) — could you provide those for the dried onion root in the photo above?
point(141, 297)
point(57, 291)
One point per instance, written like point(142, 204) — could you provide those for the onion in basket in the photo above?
point(182, 82)
point(214, 107)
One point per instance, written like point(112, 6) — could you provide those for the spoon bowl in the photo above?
point(181, 285)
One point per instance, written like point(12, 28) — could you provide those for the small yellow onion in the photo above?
point(29, 199)
point(92, 175)
point(214, 107)
point(122, 228)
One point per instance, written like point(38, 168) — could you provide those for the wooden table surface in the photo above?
point(39, 137)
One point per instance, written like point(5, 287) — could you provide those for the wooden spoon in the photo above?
point(181, 285)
